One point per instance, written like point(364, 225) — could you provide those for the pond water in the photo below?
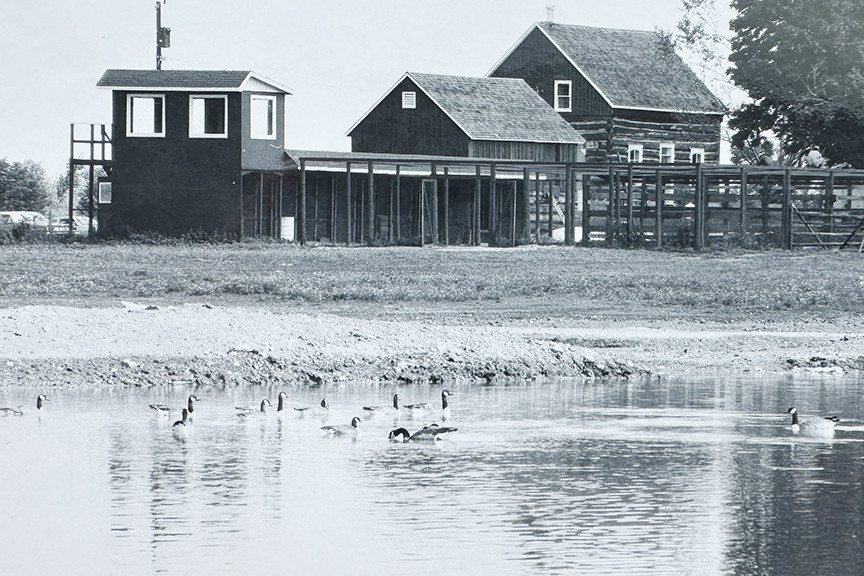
point(699, 476)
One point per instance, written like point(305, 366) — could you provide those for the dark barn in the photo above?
point(192, 150)
point(626, 91)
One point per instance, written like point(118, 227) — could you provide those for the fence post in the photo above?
point(698, 223)
point(658, 207)
point(786, 226)
point(586, 210)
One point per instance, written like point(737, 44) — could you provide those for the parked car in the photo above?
point(80, 225)
point(23, 221)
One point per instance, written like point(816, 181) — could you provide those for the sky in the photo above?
point(337, 56)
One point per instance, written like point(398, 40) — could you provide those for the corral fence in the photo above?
point(697, 206)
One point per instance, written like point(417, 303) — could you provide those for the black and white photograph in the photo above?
point(510, 287)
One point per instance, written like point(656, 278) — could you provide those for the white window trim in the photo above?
point(697, 151)
point(252, 135)
point(635, 147)
point(409, 100)
point(129, 132)
point(105, 192)
point(671, 148)
point(192, 98)
point(569, 84)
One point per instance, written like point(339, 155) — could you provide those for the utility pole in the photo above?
point(163, 35)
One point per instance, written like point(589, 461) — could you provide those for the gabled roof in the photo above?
point(500, 109)
point(631, 69)
point(190, 81)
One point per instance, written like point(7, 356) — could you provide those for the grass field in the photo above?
point(808, 283)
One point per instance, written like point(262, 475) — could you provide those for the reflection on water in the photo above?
point(650, 477)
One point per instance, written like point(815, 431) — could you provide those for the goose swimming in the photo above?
point(190, 406)
point(322, 408)
point(445, 405)
point(280, 405)
point(40, 400)
point(813, 426)
point(161, 409)
point(390, 409)
point(247, 410)
point(429, 433)
point(344, 429)
point(179, 428)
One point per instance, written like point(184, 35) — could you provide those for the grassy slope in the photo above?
point(809, 284)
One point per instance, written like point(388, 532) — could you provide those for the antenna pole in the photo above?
point(158, 35)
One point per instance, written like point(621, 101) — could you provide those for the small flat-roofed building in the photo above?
point(185, 143)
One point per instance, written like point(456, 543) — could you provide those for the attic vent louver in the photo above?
point(409, 100)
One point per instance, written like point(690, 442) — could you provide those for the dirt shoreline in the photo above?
point(148, 343)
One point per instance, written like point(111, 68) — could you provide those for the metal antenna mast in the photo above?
point(163, 35)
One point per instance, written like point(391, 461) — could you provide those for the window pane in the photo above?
point(197, 114)
point(144, 116)
point(214, 116)
point(262, 117)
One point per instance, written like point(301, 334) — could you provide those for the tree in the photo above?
point(802, 64)
point(23, 186)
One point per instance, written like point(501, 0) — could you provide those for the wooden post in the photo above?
point(475, 217)
point(551, 203)
point(537, 207)
point(513, 214)
point(398, 222)
point(333, 208)
point(349, 228)
point(568, 201)
point(745, 219)
point(279, 208)
point(786, 225)
point(828, 203)
point(390, 216)
point(493, 207)
point(526, 207)
point(586, 210)
point(433, 206)
point(610, 209)
point(301, 237)
point(630, 220)
point(698, 216)
point(659, 201)
point(370, 205)
point(446, 206)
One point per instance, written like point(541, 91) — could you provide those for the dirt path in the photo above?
point(154, 343)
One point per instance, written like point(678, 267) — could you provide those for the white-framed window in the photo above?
point(667, 153)
point(634, 153)
point(262, 117)
point(697, 155)
point(145, 115)
point(563, 96)
point(409, 100)
point(208, 116)
point(105, 192)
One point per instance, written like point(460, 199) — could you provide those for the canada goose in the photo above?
point(161, 409)
point(445, 405)
point(390, 409)
point(429, 433)
point(813, 426)
point(322, 408)
point(281, 403)
point(344, 429)
point(190, 406)
point(248, 410)
point(40, 400)
point(179, 428)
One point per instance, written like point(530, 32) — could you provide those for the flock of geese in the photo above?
point(816, 427)
point(431, 432)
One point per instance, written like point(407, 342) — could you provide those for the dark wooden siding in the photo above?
point(176, 184)
point(263, 154)
point(390, 129)
point(540, 64)
point(538, 152)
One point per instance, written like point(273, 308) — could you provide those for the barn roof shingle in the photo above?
point(226, 80)
point(633, 68)
point(498, 109)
